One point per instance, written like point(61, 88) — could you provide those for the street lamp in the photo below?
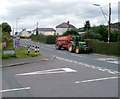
point(106, 18)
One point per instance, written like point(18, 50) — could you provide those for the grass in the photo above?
point(19, 52)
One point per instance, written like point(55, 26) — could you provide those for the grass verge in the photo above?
point(19, 52)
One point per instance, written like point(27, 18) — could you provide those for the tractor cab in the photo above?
point(77, 38)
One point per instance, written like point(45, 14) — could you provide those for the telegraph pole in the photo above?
point(109, 22)
point(37, 29)
point(17, 25)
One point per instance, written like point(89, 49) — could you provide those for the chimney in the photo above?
point(68, 22)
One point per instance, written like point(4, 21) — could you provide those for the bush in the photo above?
point(50, 39)
point(92, 36)
point(101, 47)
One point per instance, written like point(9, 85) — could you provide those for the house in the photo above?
point(25, 33)
point(45, 31)
point(63, 27)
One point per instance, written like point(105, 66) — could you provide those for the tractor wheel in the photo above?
point(70, 47)
point(58, 47)
point(77, 50)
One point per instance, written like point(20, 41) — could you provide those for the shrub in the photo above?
point(101, 47)
point(50, 39)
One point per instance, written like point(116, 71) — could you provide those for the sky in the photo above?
point(50, 13)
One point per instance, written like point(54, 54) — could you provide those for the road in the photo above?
point(65, 75)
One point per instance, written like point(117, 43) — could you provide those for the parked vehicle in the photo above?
point(73, 44)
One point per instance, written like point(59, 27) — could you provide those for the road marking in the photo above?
point(90, 66)
point(93, 80)
point(16, 89)
point(78, 55)
point(52, 71)
point(109, 60)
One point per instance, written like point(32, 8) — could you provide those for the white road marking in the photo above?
point(16, 89)
point(52, 71)
point(92, 80)
point(78, 55)
point(89, 66)
point(109, 60)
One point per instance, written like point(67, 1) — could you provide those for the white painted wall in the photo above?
point(60, 31)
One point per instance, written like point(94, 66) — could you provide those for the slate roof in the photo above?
point(45, 29)
point(65, 25)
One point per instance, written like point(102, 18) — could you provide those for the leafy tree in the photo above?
point(71, 32)
point(114, 36)
point(102, 30)
point(87, 25)
point(6, 29)
point(92, 36)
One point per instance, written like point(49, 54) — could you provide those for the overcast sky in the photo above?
point(50, 13)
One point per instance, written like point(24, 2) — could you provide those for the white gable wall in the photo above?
point(60, 31)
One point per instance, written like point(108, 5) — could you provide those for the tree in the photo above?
point(6, 29)
point(87, 25)
point(102, 30)
point(71, 32)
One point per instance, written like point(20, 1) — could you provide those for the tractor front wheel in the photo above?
point(77, 50)
point(70, 47)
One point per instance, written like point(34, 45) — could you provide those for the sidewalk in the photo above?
point(22, 61)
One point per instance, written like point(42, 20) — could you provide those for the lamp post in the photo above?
point(109, 19)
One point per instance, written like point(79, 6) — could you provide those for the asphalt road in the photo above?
point(66, 75)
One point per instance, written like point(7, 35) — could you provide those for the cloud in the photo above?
point(49, 13)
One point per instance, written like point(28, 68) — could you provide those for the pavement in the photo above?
point(22, 61)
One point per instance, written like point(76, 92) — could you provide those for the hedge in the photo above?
point(50, 39)
point(100, 47)
point(112, 48)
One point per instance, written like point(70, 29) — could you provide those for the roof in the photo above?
point(45, 29)
point(65, 25)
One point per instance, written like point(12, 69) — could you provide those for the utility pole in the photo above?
point(37, 29)
point(17, 25)
point(109, 22)
point(109, 18)
point(13, 31)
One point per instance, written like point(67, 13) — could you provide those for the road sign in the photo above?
point(17, 43)
point(9, 52)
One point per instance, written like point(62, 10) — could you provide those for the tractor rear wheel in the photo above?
point(70, 47)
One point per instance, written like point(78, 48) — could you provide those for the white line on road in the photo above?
point(16, 89)
point(89, 66)
point(78, 55)
point(109, 60)
point(92, 80)
point(51, 71)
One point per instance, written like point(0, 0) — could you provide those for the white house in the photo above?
point(25, 33)
point(45, 31)
point(63, 27)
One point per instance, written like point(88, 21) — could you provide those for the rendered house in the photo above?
point(63, 27)
point(25, 33)
point(45, 31)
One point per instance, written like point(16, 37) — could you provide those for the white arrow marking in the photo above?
point(16, 89)
point(92, 80)
point(59, 70)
